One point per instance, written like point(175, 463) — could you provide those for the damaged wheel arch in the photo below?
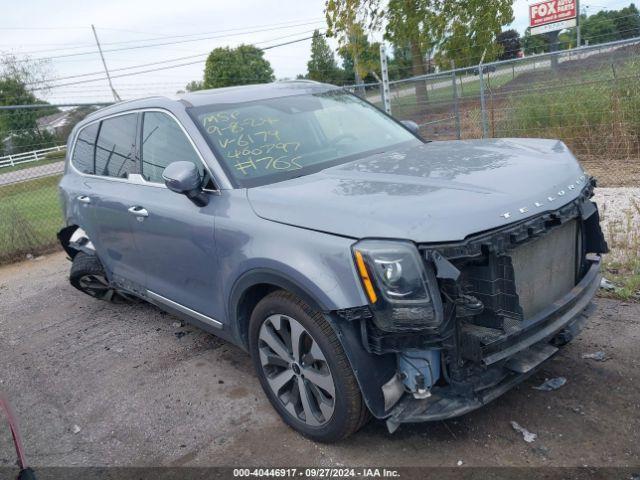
point(74, 239)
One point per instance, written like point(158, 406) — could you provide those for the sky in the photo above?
point(43, 29)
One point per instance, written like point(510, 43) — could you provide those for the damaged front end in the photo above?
point(477, 316)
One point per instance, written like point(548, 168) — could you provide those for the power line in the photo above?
point(160, 68)
point(246, 30)
point(136, 47)
point(159, 62)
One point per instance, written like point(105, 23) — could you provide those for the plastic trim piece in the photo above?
point(184, 310)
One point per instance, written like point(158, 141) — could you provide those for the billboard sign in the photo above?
point(552, 15)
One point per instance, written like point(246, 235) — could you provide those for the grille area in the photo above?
point(516, 284)
point(545, 269)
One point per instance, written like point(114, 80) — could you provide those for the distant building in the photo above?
point(56, 122)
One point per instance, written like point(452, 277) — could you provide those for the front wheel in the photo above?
point(303, 369)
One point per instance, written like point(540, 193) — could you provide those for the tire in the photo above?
point(318, 369)
point(88, 276)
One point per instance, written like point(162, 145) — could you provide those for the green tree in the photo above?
point(360, 58)
point(471, 29)
point(627, 22)
point(510, 42)
point(599, 28)
point(533, 44)
point(322, 66)
point(243, 65)
point(400, 64)
point(19, 128)
point(194, 86)
point(450, 26)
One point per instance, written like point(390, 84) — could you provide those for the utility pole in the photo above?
point(384, 84)
point(116, 97)
point(578, 22)
point(483, 106)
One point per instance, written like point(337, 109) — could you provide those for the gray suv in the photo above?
point(367, 271)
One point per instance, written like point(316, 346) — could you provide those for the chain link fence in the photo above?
point(588, 97)
point(29, 211)
point(31, 163)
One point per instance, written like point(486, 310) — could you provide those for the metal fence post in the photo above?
point(456, 110)
point(384, 85)
point(483, 107)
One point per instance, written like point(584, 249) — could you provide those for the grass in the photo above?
point(30, 216)
point(22, 166)
point(51, 157)
point(622, 265)
point(408, 106)
point(598, 117)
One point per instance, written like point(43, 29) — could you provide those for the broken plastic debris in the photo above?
point(598, 356)
point(528, 436)
point(460, 462)
point(551, 384)
point(76, 429)
point(607, 285)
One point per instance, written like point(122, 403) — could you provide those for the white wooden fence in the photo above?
point(33, 156)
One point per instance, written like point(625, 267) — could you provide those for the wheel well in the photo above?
point(64, 236)
point(248, 301)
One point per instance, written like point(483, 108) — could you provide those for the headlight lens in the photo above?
point(402, 290)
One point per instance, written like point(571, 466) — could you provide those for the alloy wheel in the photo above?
point(96, 286)
point(296, 370)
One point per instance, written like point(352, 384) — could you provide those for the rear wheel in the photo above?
point(88, 276)
point(303, 369)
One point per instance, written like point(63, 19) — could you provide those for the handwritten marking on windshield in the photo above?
point(253, 142)
point(270, 163)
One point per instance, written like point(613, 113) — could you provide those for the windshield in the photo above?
point(276, 139)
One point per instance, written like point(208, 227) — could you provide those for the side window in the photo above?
point(115, 156)
point(84, 149)
point(164, 142)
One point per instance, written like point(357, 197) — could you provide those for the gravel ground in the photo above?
point(620, 220)
point(618, 204)
point(98, 384)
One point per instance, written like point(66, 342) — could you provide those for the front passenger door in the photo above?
point(175, 238)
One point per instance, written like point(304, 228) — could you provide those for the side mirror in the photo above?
point(411, 126)
point(184, 178)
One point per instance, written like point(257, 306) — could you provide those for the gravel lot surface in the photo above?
point(618, 204)
point(100, 384)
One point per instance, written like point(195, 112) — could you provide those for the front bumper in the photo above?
point(510, 360)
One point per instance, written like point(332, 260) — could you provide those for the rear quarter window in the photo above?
point(84, 148)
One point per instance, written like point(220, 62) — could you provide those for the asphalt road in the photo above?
point(103, 385)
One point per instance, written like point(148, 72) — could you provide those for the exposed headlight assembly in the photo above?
point(401, 288)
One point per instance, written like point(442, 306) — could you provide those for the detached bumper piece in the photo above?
point(508, 360)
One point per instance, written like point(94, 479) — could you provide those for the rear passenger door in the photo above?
point(107, 164)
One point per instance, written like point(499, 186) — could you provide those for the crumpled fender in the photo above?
point(74, 239)
point(371, 371)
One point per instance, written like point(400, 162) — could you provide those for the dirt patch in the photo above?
point(153, 399)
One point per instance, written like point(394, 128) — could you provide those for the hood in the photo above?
point(433, 192)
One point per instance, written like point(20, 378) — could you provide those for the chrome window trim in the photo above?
point(140, 180)
point(186, 310)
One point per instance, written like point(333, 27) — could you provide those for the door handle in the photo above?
point(84, 199)
point(138, 211)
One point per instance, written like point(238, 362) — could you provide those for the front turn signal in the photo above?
point(364, 276)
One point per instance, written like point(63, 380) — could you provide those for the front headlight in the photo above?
point(401, 288)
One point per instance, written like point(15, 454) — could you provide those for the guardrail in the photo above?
point(26, 157)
